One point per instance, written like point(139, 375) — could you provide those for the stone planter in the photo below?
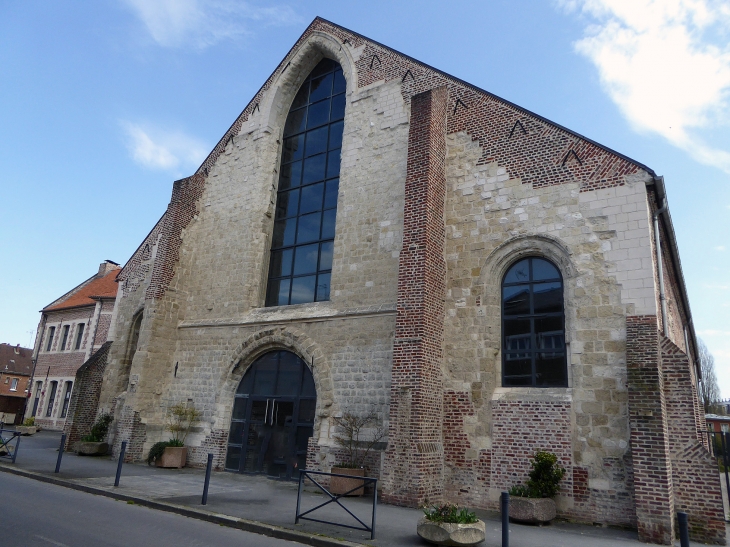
point(531, 510)
point(84, 448)
point(444, 533)
point(340, 485)
point(26, 430)
point(173, 456)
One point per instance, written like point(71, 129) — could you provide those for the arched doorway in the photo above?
point(273, 417)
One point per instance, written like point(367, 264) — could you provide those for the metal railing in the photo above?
point(362, 482)
point(9, 444)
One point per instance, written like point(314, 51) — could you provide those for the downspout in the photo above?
point(659, 265)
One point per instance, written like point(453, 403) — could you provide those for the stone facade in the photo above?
point(443, 186)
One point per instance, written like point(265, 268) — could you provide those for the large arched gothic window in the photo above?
point(533, 325)
point(306, 204)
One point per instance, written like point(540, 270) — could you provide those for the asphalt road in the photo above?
point(34, 514)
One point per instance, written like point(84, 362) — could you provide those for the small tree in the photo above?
point(544, 480)
point(99, 430)
point(348, 437)
point(709, 390)
point(180, 418)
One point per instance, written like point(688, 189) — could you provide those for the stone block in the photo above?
point(442, 533)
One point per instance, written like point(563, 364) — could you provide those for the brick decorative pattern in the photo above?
point(653, 488)
point(414, 458)
point(84, 403)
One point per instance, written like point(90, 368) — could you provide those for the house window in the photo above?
point(65, 337)
point(38, 388)
point(14, 385)
point(79, 336)
point(51, 399)
point(725, 428)
point(66, 399)
point(533, 325)
point(51, 332)
point(306, 204)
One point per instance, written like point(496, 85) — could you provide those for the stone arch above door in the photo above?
point(282, 338)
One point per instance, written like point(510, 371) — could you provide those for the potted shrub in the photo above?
point(94, 444)
point(449, 524)
point(173, 452)
point(28, 427)
point(532, 502)
point(350, 429)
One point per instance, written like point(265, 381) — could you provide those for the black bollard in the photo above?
point(60, 453)
point(505, 519)
point(208, 469)
point(119, 464)
point(683, 529)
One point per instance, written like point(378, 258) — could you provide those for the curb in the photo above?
point(246, 525)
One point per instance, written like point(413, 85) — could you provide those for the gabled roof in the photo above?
point(16, 360)
point(86, 294)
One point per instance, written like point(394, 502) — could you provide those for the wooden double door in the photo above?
point(273, 417)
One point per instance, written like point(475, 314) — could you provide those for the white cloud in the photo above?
point(160, 149)
point(666, 64)
point(202, 23)
point(720, 248)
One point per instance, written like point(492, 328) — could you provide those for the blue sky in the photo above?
point(104, 104)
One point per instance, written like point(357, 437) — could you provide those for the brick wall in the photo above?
point(414, 458)
point(84, 403)
point(653, 487)
point(695, 473)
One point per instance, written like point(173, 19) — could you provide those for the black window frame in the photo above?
point(79, 335)
point(533, 349)
point(51, 399)
point(294, 210)
point(66, 398)
point(51, 334)
point(64, 340)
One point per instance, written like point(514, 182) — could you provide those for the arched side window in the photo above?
point(306, 204)
point(134, 338)
point(533, 325)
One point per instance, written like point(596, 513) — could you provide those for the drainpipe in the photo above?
point(659, 265)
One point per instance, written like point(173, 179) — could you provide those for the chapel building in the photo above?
point(374, 235)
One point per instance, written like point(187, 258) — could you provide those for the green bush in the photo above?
point(449, 513)
point(159, 448)
point(544, 480)
point(29, 422)
point(99, 430)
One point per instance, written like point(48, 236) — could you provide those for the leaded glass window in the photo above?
point(533, 325)
point(300, 266)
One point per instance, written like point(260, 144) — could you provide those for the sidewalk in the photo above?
point(267, 506)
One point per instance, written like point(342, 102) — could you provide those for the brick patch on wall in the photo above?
point(653, 489)
point(414, 457)
point(84, 403)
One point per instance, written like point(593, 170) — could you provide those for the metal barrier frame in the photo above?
point(12, 451)
point(336, 499)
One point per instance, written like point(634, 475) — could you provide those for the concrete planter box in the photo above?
point(532, 510)
point(340, 485)
point(444, 533)
point(173, 457)
point(84, 448)
point(26, 430)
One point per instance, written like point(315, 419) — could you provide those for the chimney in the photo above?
point(106, 267)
